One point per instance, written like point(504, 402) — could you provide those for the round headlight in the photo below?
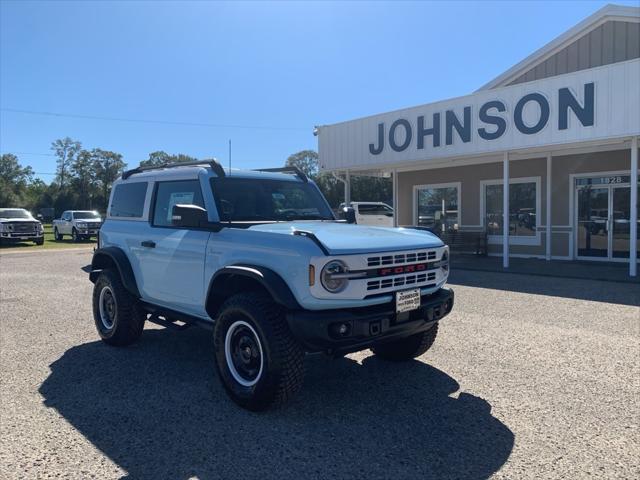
point(444, 261)
point(330, 276)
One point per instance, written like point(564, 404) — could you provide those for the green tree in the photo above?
point(363, 188)
point(108, 167)
point(14, 180)
point(162, 158)
point(84, 178)
point(66, 150)
point(305, 160)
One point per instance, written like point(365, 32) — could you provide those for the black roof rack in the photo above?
point(299, 173)
point(213, 163)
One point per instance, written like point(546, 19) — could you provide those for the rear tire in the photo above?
point(407, 348)
point(260, 363)
point(118, 316)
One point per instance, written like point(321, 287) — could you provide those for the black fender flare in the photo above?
point(108, 255)
point(267, 278)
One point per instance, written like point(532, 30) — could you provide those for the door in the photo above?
point(620, 222)
point(66, 224)
point(172, 259)
point(604, 226)
point(593, 225)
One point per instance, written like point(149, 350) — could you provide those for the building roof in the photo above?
point(606, 13)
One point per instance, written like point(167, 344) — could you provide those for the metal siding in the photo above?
point(607, 43)
point(617, 103)
point(633, 40)
point(551, 66)
point(572, 57)
point(563, 63)
point(583, 53)
point(619, 41)
point(595, 50)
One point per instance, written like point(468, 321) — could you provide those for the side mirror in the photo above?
point(188, 216)
point(349, 214)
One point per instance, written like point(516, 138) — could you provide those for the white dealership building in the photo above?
point(560, 129)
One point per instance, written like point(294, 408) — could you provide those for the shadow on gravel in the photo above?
point(158, 411)
point(584, 289)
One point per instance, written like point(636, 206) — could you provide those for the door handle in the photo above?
point(148, 244)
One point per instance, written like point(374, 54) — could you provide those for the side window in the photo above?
point(128, 200)
point(169, 194)
point(65, 216)
point(372, 210)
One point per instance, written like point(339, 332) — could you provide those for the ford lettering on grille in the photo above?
point(383, 272)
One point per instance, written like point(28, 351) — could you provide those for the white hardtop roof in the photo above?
point(606, 13)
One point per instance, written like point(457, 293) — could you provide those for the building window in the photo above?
point(438, 206)
point(523, 207)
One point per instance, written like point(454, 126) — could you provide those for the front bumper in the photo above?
point(20, 236)
point(321, 330)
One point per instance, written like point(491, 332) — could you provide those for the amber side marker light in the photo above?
point(312, 275)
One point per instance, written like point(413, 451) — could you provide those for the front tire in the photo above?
point(117, 314)
point(56, 235)
point(75, 238)
point(260, 363)
point(39, 241)
point(407, 348)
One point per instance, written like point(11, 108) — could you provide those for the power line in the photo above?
point(32, 153)
point(160, 122)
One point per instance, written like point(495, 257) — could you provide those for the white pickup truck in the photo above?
point(376, 214)
point(80, 224)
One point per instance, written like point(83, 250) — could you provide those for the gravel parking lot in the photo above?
point(530, 377)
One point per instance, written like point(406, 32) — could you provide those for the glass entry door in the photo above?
point(603, 218)
point(621, 224)
point(593, 222)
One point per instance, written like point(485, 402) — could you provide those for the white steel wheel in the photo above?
point(243, 353)
point(108, 307)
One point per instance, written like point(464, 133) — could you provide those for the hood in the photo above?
point(344, 238)
point(17, 220)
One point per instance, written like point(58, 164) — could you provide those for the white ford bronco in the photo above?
point(259, 257)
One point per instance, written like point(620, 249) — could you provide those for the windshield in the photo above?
point(15, 213)
point(248, 199)
point(82, 215)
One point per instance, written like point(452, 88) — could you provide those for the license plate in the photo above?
point(408, 300)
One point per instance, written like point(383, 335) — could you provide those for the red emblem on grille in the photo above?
point(402, 269)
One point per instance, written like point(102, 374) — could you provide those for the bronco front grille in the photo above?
point(400, 258)
point(400, 281)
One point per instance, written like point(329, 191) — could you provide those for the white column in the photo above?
point(548, 208)
point(395, 198)
point(633, 230)
point(347, 188)
point(505, 211)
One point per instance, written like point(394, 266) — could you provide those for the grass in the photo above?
point(49, 243)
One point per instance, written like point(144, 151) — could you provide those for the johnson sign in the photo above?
point(491, 123)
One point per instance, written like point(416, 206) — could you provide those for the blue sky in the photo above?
point(284, 67)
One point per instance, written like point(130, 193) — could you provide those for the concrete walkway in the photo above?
point(606, 271)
